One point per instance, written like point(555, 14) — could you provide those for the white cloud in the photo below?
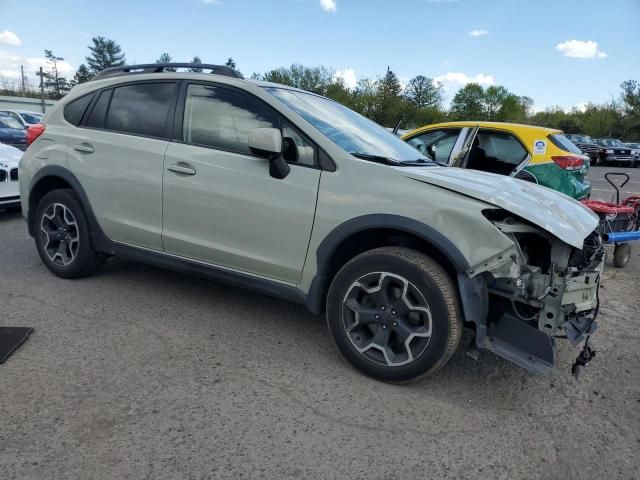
point(10, 66)
point(580, 49)
point(348, 76)
point(581, 107)
point(328, 5)
point(478, 33)
point(10, 39)
point(457, 79)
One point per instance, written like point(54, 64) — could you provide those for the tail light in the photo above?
point(34, 131)
point(569, 162)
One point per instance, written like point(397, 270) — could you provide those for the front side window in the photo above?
point(347, 129)
point(222, 118)
point(295, 148)
point(436, 144)
point(141, 109)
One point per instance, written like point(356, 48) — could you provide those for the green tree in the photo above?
point(54, 83)
point(105, 53)
point(468, 103)
point(82, 75)
point(197, 61)
point(494, 98)
point(391, 106)
point(165, 58)
point(312, 79)
point(231, 63)
point(340, 93)
point(423, 92)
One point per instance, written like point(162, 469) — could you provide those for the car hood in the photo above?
point(9, 156)
point(562, 216)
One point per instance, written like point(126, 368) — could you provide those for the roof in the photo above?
point(529, 129)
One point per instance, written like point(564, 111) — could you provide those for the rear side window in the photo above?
point(74, 111)
point(99, 111)
point(141, 109)
point(501, 147)
point(221, 118)
point(563, 143)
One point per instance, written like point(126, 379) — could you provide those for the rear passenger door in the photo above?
point(495, 151)
point(221, 206)
point(117, 154)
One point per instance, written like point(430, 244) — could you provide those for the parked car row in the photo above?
point(609, 151)
point(292, 194)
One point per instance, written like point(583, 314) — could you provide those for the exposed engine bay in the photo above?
point(539, 289)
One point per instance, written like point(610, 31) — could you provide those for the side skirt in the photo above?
point(203, 270)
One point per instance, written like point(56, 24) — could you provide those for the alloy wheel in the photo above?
point(387, 319)
point(60, 236)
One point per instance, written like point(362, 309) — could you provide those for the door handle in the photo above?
point(184, 170)
point(84, 148)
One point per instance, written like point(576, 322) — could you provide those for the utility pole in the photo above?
point(41, 75)
point(22, 79)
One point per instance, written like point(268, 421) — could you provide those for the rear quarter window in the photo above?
point(563, 143)
point(74, 110)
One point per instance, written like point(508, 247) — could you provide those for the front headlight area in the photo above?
point(541, 280)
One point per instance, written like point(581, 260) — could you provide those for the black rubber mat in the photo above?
point(10, 339)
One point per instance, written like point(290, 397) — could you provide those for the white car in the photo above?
point(25, 117)
point(635, 150)
point(9, 185)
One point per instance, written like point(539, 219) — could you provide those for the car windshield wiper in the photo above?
point(377, 158)
point(393, 161)
point(422, 161)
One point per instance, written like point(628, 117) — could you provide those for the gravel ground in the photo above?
point(143, 373)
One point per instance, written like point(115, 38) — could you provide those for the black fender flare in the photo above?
point(98, 237)
point(331, 242)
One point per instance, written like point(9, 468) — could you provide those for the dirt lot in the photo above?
point(143, 373)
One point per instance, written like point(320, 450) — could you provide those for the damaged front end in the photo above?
point(535, 291)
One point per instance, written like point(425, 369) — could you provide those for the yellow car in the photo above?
point(537, 154)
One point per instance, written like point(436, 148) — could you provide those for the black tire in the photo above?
point(82, 259)
point(621, 255)
point(422, 279)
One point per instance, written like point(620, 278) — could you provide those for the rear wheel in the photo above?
point(393, 313)
point(621, 255)
point(62, 235)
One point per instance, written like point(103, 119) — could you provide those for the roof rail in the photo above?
point(163, 67)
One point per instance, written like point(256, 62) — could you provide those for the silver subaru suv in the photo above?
point(294, 195)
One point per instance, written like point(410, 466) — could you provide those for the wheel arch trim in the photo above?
point(62, 173)
point(342, 232)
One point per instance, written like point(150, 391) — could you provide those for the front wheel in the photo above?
point(393, 313)
point(62, 235)
point(621, 255)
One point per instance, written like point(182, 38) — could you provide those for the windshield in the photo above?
point(580, 138)
point(31, 117)
point(349, 130)
point(8, 122)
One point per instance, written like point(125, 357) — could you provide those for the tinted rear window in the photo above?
point(141, 109)
point(563, 143)
point(99, 111)
point(74, 111)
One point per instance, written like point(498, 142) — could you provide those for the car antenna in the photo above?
point(397, 127)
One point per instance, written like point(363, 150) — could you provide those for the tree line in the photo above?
point(386, 101)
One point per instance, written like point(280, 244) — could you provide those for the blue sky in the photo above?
point(562, 52)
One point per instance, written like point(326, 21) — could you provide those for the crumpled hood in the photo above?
point(562, 216)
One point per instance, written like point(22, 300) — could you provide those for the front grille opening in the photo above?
point(14, 174)
point(3, 175)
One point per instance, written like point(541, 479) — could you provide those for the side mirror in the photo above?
point(267, 143)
